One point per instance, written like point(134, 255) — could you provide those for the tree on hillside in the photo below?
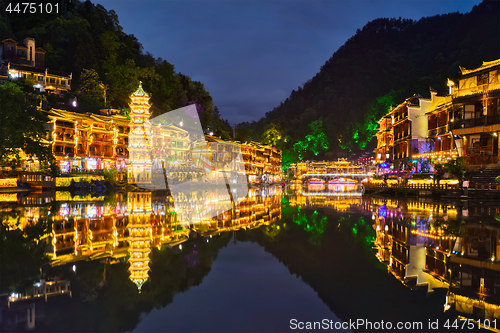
point(358, 134)
point(315, 142)
point(273, 136)
point(244, 134)
point(91, 91)
point(22, 127)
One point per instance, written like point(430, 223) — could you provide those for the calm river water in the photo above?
point(275, 262)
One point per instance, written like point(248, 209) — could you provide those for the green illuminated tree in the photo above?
point(358, 134)
point(315, 142)
point(274, 136)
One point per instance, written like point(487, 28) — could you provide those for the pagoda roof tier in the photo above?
point(140, 92)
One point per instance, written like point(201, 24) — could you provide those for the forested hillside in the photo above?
point(385, 62)
point(84, 36)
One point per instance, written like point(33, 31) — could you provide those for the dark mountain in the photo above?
point(385, 62)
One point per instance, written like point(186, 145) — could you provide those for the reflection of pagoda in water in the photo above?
point(136, 223)
point(139, 228)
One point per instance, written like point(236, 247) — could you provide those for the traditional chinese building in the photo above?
point(464, 123)
point(140, 166)
point(475, 116)
point(403, 131)
point(341, 167)
point(86, 141)
point(385, 139)
point(24, 60)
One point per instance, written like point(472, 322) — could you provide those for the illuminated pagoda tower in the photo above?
point(140, 235)
point(139, 139)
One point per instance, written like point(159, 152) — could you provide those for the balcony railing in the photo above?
point(401, 117)
point(476, 90)
point(400, 155)
point(50, 85)
point(402, 135)
point(474, 122)
point(438, 131)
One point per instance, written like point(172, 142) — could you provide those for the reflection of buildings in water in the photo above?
point(132, 225)
point(261, 206)
point(383, 240)
point(315, 184)
point(430, 240)
point(399, 227)
point(23, 309)
point(473, 269)
point(488, 313)
point(87, 229)
point(339, 204)
point(342, 185)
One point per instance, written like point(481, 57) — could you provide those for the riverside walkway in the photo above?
point(432, 189)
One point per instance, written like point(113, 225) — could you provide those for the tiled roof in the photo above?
point(140, 92)
point(485, 65)
point(9, 40)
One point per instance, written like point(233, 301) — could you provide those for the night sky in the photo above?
point(251, 54)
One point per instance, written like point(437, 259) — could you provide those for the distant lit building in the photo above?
point(24, 60)
point(464, 123)
point(341, 167)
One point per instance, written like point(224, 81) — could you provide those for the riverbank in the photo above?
point(434, 190)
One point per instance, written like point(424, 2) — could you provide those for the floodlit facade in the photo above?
point(385, 139)
point(475, 116)
point(85, 141)
point(340, 167)
point(403, 131)
point(140, 166)
point(464, 123)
